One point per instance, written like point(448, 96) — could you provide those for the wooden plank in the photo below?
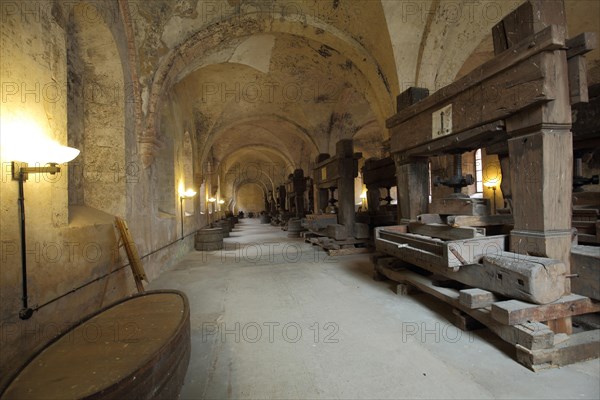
point(581, 44)
point(549, 39)
point(479, 220)
point(532, 336)
point(451, 206)
point(585, 214)
point(578, 347)
point(477, 298)
point(437, 255)
point(348, 251)
point(132, 254)
point(585, 263)
point(430, 219)
point(443, 231)
point(481, 136)
point(531, 16)
point(496, 98)
point(513, 312)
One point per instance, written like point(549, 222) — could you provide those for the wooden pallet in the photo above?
point(340, 247)
point(519, 323)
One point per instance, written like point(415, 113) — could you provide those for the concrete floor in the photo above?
point(273, 317)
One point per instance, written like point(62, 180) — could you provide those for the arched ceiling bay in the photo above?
point(283, 91)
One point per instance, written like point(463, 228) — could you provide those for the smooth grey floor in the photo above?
point(273, 317)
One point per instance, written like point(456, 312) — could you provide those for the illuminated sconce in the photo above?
point(221, 201)
point(24, 142)
point(363, 198)
point(493, 184)
point(188, 194)
point(212, 201)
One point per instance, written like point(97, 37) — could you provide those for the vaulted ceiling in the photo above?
point(278, 82)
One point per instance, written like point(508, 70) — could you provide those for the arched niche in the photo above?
point(95, 112)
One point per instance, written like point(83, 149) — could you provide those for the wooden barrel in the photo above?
point(137, 348)
point(294, 228)
point(231, 223)
point(224, 226)
point(209, 239)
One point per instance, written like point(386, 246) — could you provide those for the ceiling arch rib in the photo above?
point(378, 90)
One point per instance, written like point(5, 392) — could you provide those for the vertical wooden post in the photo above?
point(413, 173)
point(299, 188)
point(413, 187)
point(321, 195)
point(540, 148)
point(373, 196)
point(346, 214)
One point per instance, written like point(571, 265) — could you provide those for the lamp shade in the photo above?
point(188, 194)
point(23, 140)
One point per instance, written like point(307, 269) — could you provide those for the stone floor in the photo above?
point(274, 317)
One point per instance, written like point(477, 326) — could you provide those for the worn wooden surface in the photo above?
point(532, 336)
point(450, 206)
point(516, 85)
point(535, 279)
point(132, 254)
point(485, 220)
point(513, 312)
point(585, 263)
point(477, 298)
point(137, 348)
point(443, 231)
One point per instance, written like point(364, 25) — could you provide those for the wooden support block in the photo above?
point(449, 206)
point(361, 231)
point(476, 298)
point(581, 44)
point(430, 219)
point(531, 336)
point(403, 289)
point(464, 321)
point(486, 220)
point(337, 232)
point(379, 277)
point(578, 347)
point(443, 231)
point(512, 312)
point(585, 263)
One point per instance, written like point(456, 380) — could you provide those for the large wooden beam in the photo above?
point(512, 312)
point(531, 336)
point(506, 84)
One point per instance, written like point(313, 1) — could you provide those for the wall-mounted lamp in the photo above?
point(52, 155)
point(212, 199)
point(492, 184)
point(221, 201)
point(363, 199)
point(188, 194)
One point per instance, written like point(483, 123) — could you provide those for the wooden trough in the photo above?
point(136, 348)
